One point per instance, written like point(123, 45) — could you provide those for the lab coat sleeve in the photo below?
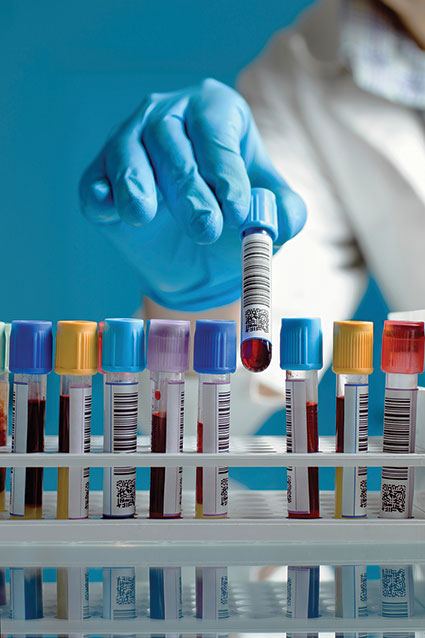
point(319, 273)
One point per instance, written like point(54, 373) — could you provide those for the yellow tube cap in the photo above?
point(76, 348)
point(353, 347)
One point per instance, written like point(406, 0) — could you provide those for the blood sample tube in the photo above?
point(350, 596)
point(168, 360)
point(165, 588)
point(119, 593)
point(72, 591)
point(258, 233)
point(214, 359)
point(30, 361)
point(402, 361)
point(397, 596)
point(123, 358)
point(302, 596)
point(76, 363)
point(212, 594)
point(352, 363)
point(301, 356)
point(26, 592)
point(4, 409)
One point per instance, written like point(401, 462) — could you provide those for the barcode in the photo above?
point(288, 420)
point(125, 413)
point(87, 422)
point(256, 285)
point(397, 424)
point(223, 421)
point(13, 421)
point(363, 422)
point(181, 420)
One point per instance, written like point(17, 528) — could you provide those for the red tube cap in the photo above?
point(403, 347)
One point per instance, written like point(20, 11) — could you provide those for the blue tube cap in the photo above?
point(215, 347)
point(31, 347)
point(262, 213)
point(301, 344)
point(123, 348)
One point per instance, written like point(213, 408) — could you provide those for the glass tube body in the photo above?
point(119, 593)
point(302, 596)
point(397, 596)
point(212, 483)
point(257, 253)
point(29, 412)
point(74, 438)
point(350, 595)
point(302, 437)
point(121, 411)
point(212, 593)
point(397, 483)
point(72, 590)
point(4, 426)
point(26, 593)
point(352, 391)
point(167, 437)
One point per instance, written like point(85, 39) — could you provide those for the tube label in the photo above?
point(296, 441)
point(80, 402)
point(399, 438)
point(351, 482)
point(121, 403)
point(212, 593)
point(73, 592)
point(19, 446)
point(302, 594)
point(26, 593)
point(173, 445)
point(350, 591)
point(214, 433)
point(257, 252)
point(397, 591)
point(165, 587)
point(119, 593)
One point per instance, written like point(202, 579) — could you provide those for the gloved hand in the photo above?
point(172, 186)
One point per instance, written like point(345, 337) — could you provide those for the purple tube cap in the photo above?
point(168, 345)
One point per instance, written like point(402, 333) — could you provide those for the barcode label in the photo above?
point(165, 585)
point(257, 252)
point(121, 407)
point(298, 494)
point(399, 438)
point(302, 592)
point(212, 593)
point(350, 591)
point(26, 601)
point(19, 446)
point(354, 480)
point(80, 407)
point(119, 593)
point(73, 593)
point(215, 402)
point(173, 445)
point(397, 591)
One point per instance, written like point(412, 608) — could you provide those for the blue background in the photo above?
point(69, 73)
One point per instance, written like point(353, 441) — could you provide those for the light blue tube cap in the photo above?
point(301, 344)
point(3, 364)
point(262, 213)
point(123, 347)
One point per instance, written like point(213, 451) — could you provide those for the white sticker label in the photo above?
point(121, 401)
point(215, 403)
point(212, 595)
point(397, 591)
point(119, 593)
point(302, 595)
point(80, 401)
point(296, 437)
point(350, 591)
point(399, 438)
point(354, 479)
point(257, 252)
point(19, 446)
point(173, 445)
point(73, 592)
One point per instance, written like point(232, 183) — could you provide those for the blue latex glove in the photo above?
point(172, 186)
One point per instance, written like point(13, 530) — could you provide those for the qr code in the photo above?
point(86, 495)
point(393, 498)
point(289, 487)
point(125, 593)
point(363, 493)
point(256, 319)
point(126, 493)
point(393, 583)
point(224, 491)
point(363, 588)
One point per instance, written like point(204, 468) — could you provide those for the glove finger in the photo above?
point(216, 120)
point(131, 176)
point(95, 192)
point(186, 194)
point(291, 209)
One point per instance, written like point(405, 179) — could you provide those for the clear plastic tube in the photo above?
point(302, 597)
point(397, 483)
point(119, 593)
point(212, 594)
point(212, 483)
point(74, 438)
point(4, 426)
point(165, 588)
point(26, 593)
point(350, 595)
point(29, 412)
point(121, 410)
point(257, 253)
point(72, 588)
point(352, 392)
point(397, 596)
point(302, 437)
point(167, 437)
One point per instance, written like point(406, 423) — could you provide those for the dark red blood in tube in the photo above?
point(199, 473)
point(340, 424)
point(256, 354)
point(35, 443)
point(156, 501)
point(313, 472)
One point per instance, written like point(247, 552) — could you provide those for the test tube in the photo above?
point(352, 363)
point(258, 233)
point(119, 593)
point(31, 362)
point(214, 359)
point(402, 361)
point(165, 589)
point(26, 592)
point(4, 409)
point(350, 596)
point(397, 596)
point(301, 356)
point(168, 360)
point(72, 590)
point(76, 363)
point(302, 596)
point(212, 594)
point(123, 358)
